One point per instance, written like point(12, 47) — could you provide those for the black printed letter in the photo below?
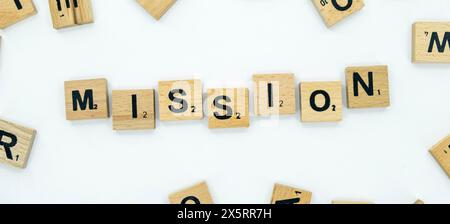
point(184, 104)
point(223, 107)
point(312, 101)
point(8, 145)
point(440, 46)
point(342, 8)
point(368, 88)
point(88, 96)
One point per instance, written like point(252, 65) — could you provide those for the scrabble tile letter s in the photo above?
point(431, 42)
point(441, 152)
point(13, 11)
point(367, 87)
point(180, 100)
point(198, 194)
point(228, 108)
point(333, 11)
point(15, 143)
point(321, 101)
point(86, 99)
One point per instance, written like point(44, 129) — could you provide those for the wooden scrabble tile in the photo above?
point(288, 195)
point(13, 11)
point(198, 194)
point(62, 12)
point(419, 202)
point(15, 144)
point(228, 108)
point(441, 152)
point(351, 203)
point(367, 87)
point(321, 101)
point(133, 109)
point(274, 94)
point(86, 99)
point(431, 42)
point(180, 100)
point(156, 8)
point(83, 11)
point(333, 11)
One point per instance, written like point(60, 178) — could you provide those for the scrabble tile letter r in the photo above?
point(15, 143)
point(86, 99)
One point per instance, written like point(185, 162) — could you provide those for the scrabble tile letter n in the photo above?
point(431, 42)
point(289, 195)
point(441, 152)
point(228, 108)
point(133, 109)
point(156, 8)
point(274, 94)
point(180, 100)
point(15, 144)
point(198, 194)
point(321, 101)
point(13, 11)
point(333, 11)
point(367, 87)
point(86, 99)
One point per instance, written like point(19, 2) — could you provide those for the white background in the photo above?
point(378, 155)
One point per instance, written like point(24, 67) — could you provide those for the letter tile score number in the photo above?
point(15, 144)
point(197, 194)
point(13, 11)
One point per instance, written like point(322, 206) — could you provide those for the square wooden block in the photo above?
point(288, 195)
point(13, 11)
point(15, 144)
point(86, 99)
point(156, 8)
point(83, 12)
point(228, 108)
point(274, 94)
point(321, 101)
point(180, 100)
point(367, 87)
point(333, 11)
point(441, 152)
point(62, 13)
point(431, 42)
point(133, 109)
point(198, 194)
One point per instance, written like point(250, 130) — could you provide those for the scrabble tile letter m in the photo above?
point(86, 99)
point(431, 42)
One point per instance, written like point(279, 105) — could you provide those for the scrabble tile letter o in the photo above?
point(321, 101)
point(86, 99)
point(198, 194)
point(333, 11)
point(15, 143)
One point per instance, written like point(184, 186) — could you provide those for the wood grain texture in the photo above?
point(318, 92)
point(228, 108)
point(62, 13)
point(333, 11)
point(11, 13)
point(419, 202)
point(125, 117)
point(431, 42)
point(441, 152)
point(188, 91)
point(280, 88)
point(15, 144)
point(156, 8)
point(197, 194)
point(377, 96)
point(283, 194)
point(83, 12)
point(96, 109)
